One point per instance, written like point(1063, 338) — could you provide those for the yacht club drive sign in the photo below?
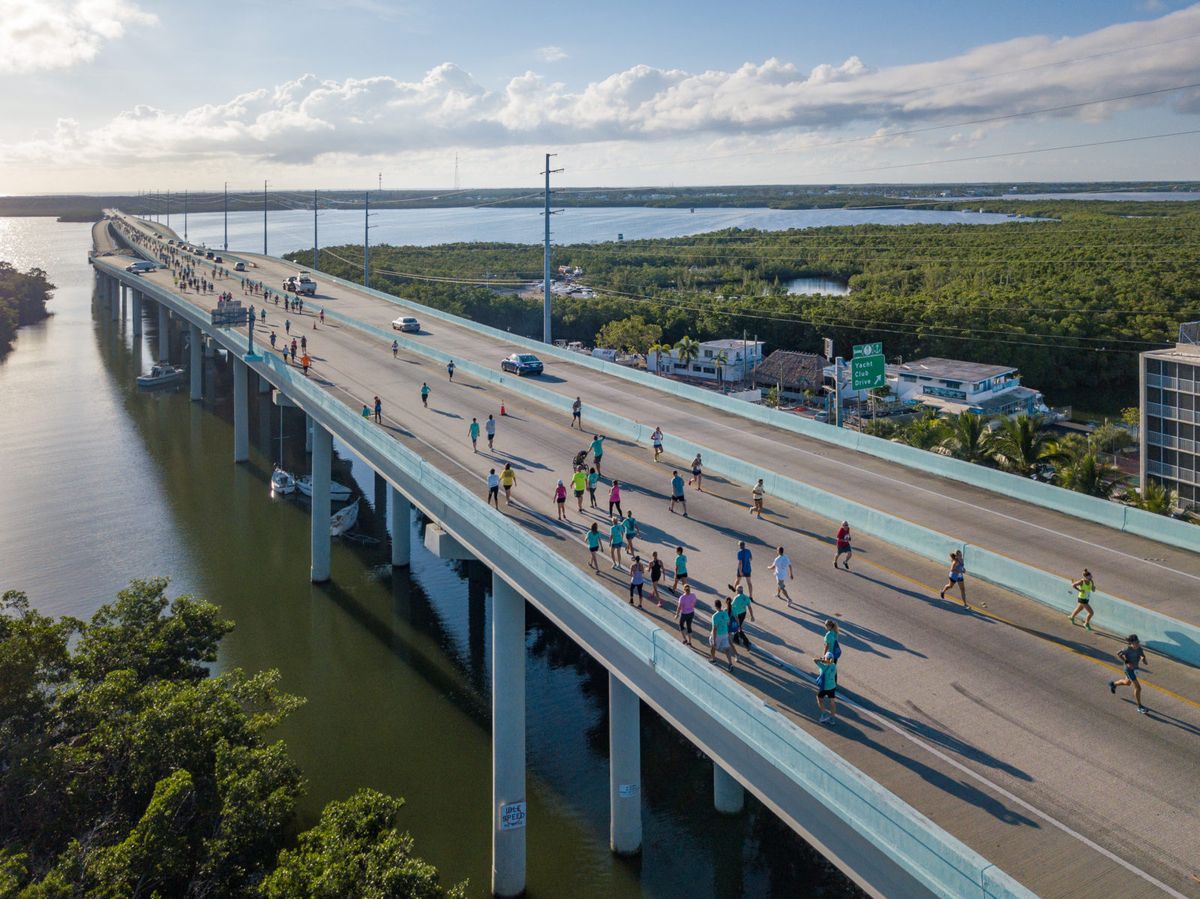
point(866, 368)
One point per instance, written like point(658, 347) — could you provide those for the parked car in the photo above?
point(522, 364)
point(140, 266)
point(406, 323)
point(239, 267)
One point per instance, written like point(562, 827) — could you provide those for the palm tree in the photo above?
point(688, 350)
point(1156, 498)
point(1021, 445)
point(925, 432)
point(661, 351)
point(720, 360)
point(967, 438)
point(1086, 473)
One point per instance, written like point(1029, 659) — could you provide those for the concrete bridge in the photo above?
point(979, 753)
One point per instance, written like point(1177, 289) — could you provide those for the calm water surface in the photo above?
point(102, 483)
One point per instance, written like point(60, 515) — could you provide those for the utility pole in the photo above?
point(381, 182)
point(264, 217)
point(456, 173)
point(226, 215)
point(546, 335)
point(314, 265)
point(168, 209)
point(837, 391)
point(366, 238)
point(185, 198)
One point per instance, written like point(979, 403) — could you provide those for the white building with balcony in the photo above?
point(740, 356)
point(1170, 427)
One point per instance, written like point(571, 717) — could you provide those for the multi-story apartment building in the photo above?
point(1170, 426)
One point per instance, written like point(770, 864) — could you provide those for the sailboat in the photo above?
point(339, 493)
point(282, 483)
point(343, 519)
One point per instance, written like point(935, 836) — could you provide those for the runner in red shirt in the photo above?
point(843, 546)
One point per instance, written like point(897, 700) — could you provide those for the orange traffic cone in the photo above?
point(502, 412)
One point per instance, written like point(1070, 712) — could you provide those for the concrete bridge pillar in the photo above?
point(164, 333)
point(400, 524)
point(624, 768)
point(241, 412)
point(196, 362)
point(114, 300)
point(264, 386)
point(729, 798)
point(322, 460)
point(135, 312)
point(308, 433)
point(508, 739)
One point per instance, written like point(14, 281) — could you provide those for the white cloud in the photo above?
point(58, 34)
point(551, 53)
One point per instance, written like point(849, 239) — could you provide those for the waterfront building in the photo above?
point(790, 373)
point(1170, 403)
point(740, 358)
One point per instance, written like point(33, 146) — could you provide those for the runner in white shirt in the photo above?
point(782, 566)
point(493, 484)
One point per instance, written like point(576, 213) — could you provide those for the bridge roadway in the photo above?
point(997, 724)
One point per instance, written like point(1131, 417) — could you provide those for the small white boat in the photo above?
point(339, 493)
point(162, 374)
point(282, 482)
point(343, 520)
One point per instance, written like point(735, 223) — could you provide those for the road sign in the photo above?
point(868, 349)
point(512, 815)
point(828, 347)
point(866, 372)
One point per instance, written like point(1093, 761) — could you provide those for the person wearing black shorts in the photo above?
point(1133, 656)
point(656, 570)
point(577, 413)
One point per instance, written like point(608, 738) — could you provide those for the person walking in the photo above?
point(614, 497)
point(757, 493)
point(744, 557)
point(578, 485)
point(489, 428)
point(685, 612)
point(272, 340)
point(1133, 656)
point(616, 542)
point(718, 638)
point(1084, 587)
point(322, 316)
point(681, 573)
point(395, 348)
point(424, 394)
point(508, 479)
point(631, 530)
point(697, 474)
point(958, 571)
point(304, 363)
point(594, 539)
point(560, 500)
point(473, 433)
point(656, 570)
point(833, 643)
point(287, 326)
point(378, 411)
point(637, 578)
point(740, 605)
point(577, 413)
point(450, 369)
point(843, 546)
point(493, 485)
point(827, 689)
point(593, 479)
point(598, 451)
point(656, 441)
point(782, 566)
point(677, 495)
point(303, 342)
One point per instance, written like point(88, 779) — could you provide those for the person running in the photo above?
point(272, 340)
point(508, 479)
point(1084, 587)
point(450, 369)
point(597, 451)
point(322, 316)
point(681, 573)
point(594, 539)
point(473, 433)
point(656, 441)
point(577, 413)
point(395, 348)
point(293, 352)
point(1133, 656)
point(827, 689)
point(378, 411)
point(757, 492)
point(493, 484)
point(593, 479)
point(489, 428)
point(697, 474)
point(685, 613)
point(740, 604)
point(718, 638)
point(614, 497)
point(744, 556)
point(287, 325)
point(424, 394)
point(782, 566)
point(637, 578)
point(578, 485)
point(304, 363)
point(656, 570)
point(616, 542)
point(843, 546)
point(303, 342)
point(631, 530)
point(677, 495)
point(560, 500)
point(958, 571)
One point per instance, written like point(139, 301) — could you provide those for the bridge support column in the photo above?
point(308, 433)
point(196, 362)
point(624, 768)
point(264, 386)
point(400, 523)
point(114, 300)
point(728, 795)
point(241, 412)
point(322, 460)
point(164, 333)
point(508, 739)
point(135, 312)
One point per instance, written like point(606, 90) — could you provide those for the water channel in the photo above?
point(102, 483)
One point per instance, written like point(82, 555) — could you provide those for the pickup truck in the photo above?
point(301, 284)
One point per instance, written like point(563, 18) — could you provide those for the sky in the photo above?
point(128, 95)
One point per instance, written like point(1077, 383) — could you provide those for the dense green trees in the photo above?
point(125, 770)
point(23, 298)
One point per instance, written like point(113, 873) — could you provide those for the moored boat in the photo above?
point(282, 482)
point(343, 520)
point(338, 493)
point(161, 374)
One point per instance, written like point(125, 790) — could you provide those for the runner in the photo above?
point(322, 316)
point(473, 433)
point(303, 342)
point(827, 689)
point(592, 480)
point(287, 325)
point(744, 557)
point(631, 530)
point(305, 362)
point(958, 570)
point(577, 413)
point(493, 484)
point(489, 428)
point(450, 369)
point(656, 569)
point(684, 614)
point(637, 577)
point(1133, 656)
point(656, 441)
point(560, 500)
point(424, 394)
point(508, 479)
point(614, 497)
point(843, 546)
point(680, 570)
point(782, 566)
point(756, 499)
point(272, 340)
point(833, 645)
point(395, 348)
point(616, 542)
point(579, 484)
point(697, 474)
point(718, 638)
point(593, 538)
point(293, 352)
point(1083, 598)
point(677, 495)
point(740, 604)
point(597, 451)
point(378, 411)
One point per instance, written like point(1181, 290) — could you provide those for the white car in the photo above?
point(406, 323)
point(239, 267)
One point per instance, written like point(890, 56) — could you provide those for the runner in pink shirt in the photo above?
point(686, 613)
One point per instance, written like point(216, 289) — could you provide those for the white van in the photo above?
point(141, 266)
